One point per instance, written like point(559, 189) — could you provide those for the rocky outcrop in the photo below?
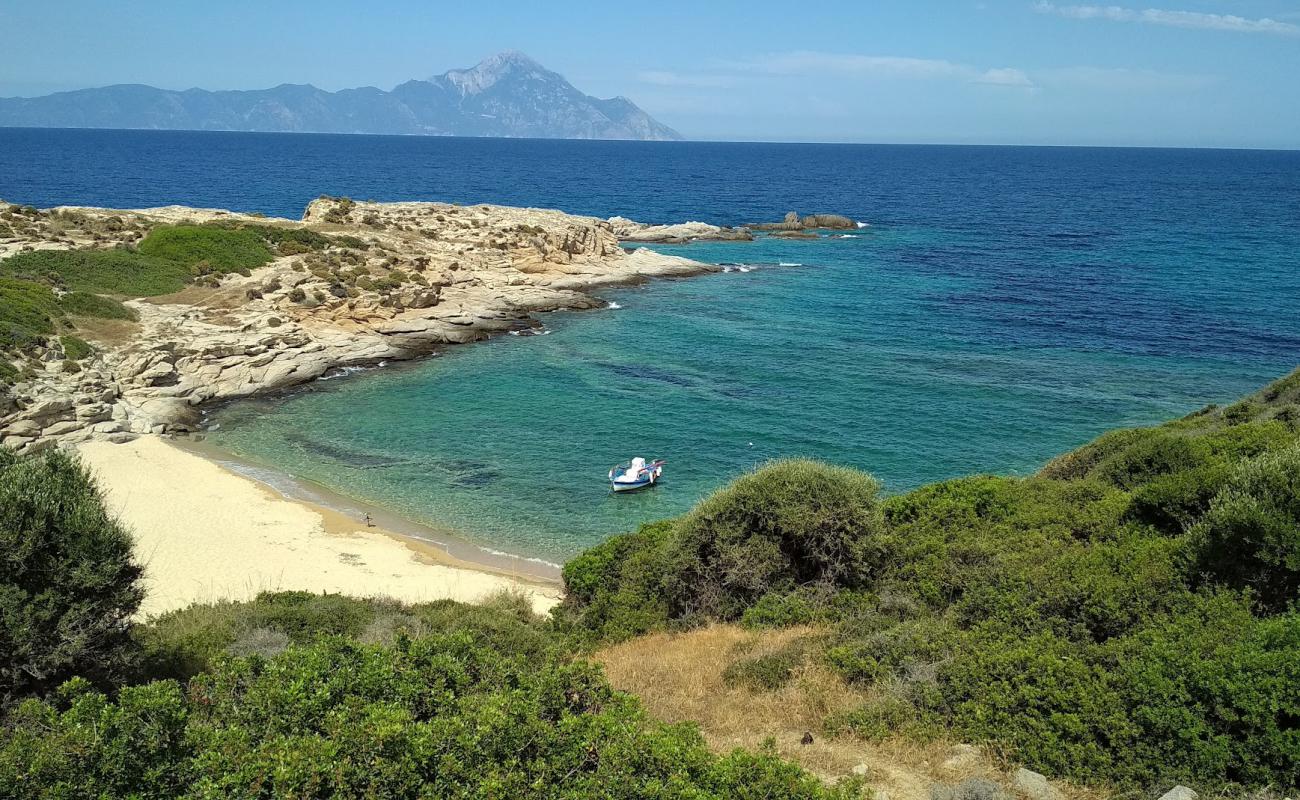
point(1034, 786)
point(794, 222)
point(629, 231)
point(402, 280)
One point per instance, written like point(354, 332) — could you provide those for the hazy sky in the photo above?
point(1184, 72)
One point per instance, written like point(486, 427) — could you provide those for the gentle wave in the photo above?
point(504, 554)
point(612, 305)
point(789, 264)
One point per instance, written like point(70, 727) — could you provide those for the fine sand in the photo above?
point(204, 533)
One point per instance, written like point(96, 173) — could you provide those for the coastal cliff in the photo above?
point(352, 284)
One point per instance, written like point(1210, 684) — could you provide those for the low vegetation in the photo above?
point(43, 292)
point(1128, 616)
point(69, 582)
point(298, 695)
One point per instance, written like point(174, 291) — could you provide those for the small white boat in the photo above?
point(636, 475)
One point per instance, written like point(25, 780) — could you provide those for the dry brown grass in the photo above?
point(106, 333)
point(678, 678)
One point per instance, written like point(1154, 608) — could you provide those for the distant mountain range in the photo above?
point(508, 94)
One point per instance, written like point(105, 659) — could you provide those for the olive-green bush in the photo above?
point(68, 580)
point(439, 716)
point(1127, 616)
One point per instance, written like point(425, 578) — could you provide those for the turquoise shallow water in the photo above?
point(1008, 303)
point(855, 356)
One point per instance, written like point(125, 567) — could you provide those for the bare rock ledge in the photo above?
point(466, 273)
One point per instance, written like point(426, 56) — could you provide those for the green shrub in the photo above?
point(1042, 696)
point(69, 582)
point(870, 657)
point(85, 304)
point(787, 524)
point(74, 348)
point(1250, 537)
point(115, 271)
point(1155, 453)
point(1173, 502)
point(27, 313)
point(616, 589)
point(441, 716)
point(1212, 696)
point(874, 721)
point(224, 250)
point(770, 671)
point(183, 643)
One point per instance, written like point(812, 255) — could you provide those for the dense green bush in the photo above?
point(1076, 619)
point(1250, 537)
point(75, 348)
point(1211, 697)
point(223, 249)
point(440, 716)
point(85, 304)
point(183, 643)
point(68, 581)
point(27, 312)
point(114, 271)
point(788, 524)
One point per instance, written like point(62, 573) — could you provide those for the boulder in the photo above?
point(63, 428)
point(49, 408)
point(1033, 786)
point(23, 427)
point(173, 412)
point(1179, 792)
point(961, 757)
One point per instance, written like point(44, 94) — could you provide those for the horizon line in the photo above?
point(820, 142)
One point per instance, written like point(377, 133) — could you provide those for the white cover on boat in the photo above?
point(630, 476)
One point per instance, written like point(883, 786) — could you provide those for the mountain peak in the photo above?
point(489, 71)
point(508, 94)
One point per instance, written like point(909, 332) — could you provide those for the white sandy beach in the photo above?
point(204, 534)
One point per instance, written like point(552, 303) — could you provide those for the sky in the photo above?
point(1196, 73)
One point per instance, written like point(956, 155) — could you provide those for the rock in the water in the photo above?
point(1179, 792)
point(1034, 786)
point(836, 221)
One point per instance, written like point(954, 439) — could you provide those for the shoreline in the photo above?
point(342, 511)
point(206, 533)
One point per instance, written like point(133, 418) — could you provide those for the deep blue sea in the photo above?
point(1004, 304)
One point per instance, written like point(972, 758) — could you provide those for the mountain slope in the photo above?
point(506, 95)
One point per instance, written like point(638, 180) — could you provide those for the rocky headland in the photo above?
point(792, 226)
point(351, 284)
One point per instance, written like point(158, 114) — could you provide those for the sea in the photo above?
point(996, 306)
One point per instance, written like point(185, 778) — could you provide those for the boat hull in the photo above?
point(645, 479)
point(631, 487)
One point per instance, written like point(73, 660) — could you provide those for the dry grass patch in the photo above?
point(107, 333)
point(679, 678)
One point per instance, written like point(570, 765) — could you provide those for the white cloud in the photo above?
point(656, 77)
point(1005, 77)
point(1175, 19)
point(812, 63)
